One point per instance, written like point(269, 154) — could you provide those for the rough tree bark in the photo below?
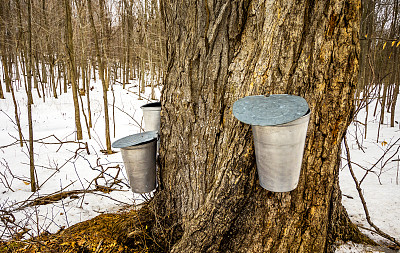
point(218, 52)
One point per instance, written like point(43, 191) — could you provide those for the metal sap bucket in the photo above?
point(151, 116)
point(279, 124)
point(139, 156)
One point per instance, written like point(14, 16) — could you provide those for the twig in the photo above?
point(140, 96)
point(5, 181)
point(60, 195)
point(397, 173)
point(99, 246)
point(361, 167)
point(386, 151)
point(116, 200)
point(63, 206)
point(359, 190)
point(139, 125)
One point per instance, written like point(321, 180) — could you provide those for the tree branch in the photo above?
point(359, 190)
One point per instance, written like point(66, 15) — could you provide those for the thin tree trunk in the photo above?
point(86, 119)
point(101, 73)
point(72, 67)
point(125, 43)
point(5, 40)
point(30, 101)
point(395, 73)
point(23, 67)
point(394, 101)
point(36, 76)
point(384, 96)
point(43, 70)
point(94, 70)
point(52, 79)
point(6, 72)
point(65, 78)
point(88, 98)
point(1, 91)
point(18, 122)
point(153, 80)
point(141, 85)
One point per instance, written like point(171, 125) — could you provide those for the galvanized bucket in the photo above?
point(139, 156)
point(151, 116)
point(279, 124)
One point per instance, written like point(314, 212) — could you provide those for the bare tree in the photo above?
point(102, 78)
point(30, 101)
point(1, 91)
point(72, 66)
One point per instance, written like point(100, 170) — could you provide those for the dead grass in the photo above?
point(119, 232)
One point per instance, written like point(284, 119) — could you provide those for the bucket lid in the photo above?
point(135, 139)
point(152, 106)
point(270, 110)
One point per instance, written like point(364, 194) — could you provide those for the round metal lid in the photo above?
point(270, 110)
point(135, 139)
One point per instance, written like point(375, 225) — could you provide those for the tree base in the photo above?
point(137, 231)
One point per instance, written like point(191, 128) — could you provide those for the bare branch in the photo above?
point(359, 190)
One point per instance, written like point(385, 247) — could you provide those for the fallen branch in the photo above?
point(359, 190)
point(54, 197)
point(59, 142)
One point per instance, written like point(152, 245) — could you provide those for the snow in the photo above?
point(381, 186)
point(69, 167)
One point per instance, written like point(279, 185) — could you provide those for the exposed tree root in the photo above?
point(138, 231)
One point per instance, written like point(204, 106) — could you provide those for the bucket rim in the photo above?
point(154, 105)
point(135, 139)
point(138, 146)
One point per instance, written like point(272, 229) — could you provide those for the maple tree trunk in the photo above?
point(218, 52)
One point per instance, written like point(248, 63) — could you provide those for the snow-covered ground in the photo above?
point(69, 167)
point(381, 186)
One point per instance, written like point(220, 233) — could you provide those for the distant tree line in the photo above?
point(379, 56)
point(57, 44)
point(128, 33)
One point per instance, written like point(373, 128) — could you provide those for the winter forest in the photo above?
point(75, 73)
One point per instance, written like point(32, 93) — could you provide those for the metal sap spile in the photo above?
point(139, 156)
point(279, 124)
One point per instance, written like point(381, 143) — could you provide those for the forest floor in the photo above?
point(78, 182)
